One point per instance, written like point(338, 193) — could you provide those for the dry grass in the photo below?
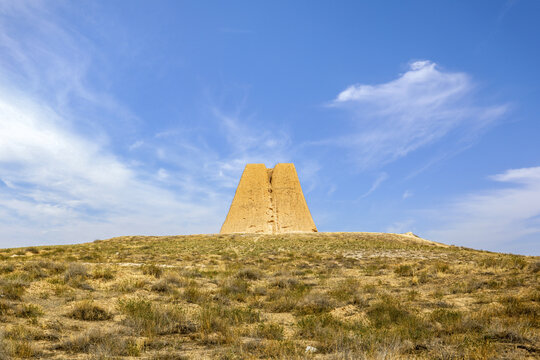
point(341, 296)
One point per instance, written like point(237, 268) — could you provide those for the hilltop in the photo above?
point(248, 296)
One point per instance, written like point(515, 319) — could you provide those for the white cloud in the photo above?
point(421, 106)
point(61, 181)
point(62, 178)
point(378, 181)
point(407, 194)
point(61, 184)
point(497, 218)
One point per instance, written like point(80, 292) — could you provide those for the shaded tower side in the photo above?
point(290, 208)
point(251, 210)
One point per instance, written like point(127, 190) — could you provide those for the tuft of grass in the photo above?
point(314, 303)
point(88, 311)
point(152, 270)
point(75, 272)
point(12, 290)
point(235, 289)
point(5, 307)
point(345, 290)
point(249, 274)
point(404, 270)
point(130, 285)
point(161, 286)
point(269, 331)
point(388, 314)
point(534, 267)
point(102, 344)
point(7, 268)
point(445, 316)
point(33, 271)
point(193, 294)
point(32, 249)
point(515, 306)
point(330, 334)
point(18, 342)
point(103, 273)
point(29, 311)
point(149, 319)
point(440, 267)
point(217, 322)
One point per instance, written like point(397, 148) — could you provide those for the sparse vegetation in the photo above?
point(346, 296)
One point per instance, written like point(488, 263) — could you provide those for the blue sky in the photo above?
point(137, 117)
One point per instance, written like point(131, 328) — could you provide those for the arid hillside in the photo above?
point(293, 296)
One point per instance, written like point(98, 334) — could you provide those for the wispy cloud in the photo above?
point(407, 194)
point(420, 107)
point(57, 181)
point(61, 178)
point(378, 181)
point(496, 218)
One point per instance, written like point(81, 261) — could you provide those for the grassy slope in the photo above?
point(355, 295)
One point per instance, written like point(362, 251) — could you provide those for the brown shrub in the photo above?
point(88, 311)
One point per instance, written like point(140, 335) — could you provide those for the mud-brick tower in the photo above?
point(268, 201)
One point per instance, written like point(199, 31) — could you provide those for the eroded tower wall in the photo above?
point(251, 210)
point(291, 210)
point(268, 201)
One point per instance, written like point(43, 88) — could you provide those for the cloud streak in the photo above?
point(420, 107)
point(57, 181)
point(494, 219)
point(61, 179)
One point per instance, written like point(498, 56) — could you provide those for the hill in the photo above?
point(294, 296)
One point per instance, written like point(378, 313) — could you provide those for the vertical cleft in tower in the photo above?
point(268, 201)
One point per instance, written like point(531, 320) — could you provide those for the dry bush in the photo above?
point(249, 274)
point(130, 285)
point(345, 290)
point(281, 301)
point(314, 303)
point(149, 319)
point(329, 333)
point(387, 313)
point(217, 323)
point(88, 311)
point(161, 286)
point(12, 290)
point(534, 267)
point(18, 342)
point(235, 289)
point(104, 344)
point(269, 331)
point(7, 268)
point(152, 270)
point(288, 283)
point(33, 270)
point(75, 272)
point(173, 279)
point(193, 294)
point(32, 249)
point(103, 273)
point(404, 270)
point(28, 311)
point(515, 306)
point(5, 307)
